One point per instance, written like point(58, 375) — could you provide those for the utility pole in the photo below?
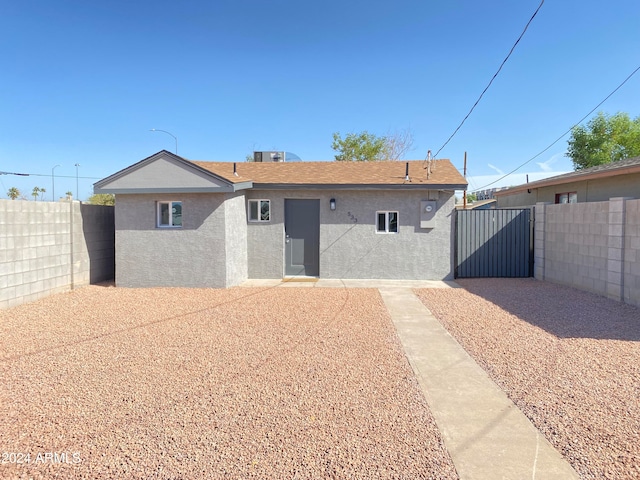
point(464, 194)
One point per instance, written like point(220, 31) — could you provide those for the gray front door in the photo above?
point(302, 237)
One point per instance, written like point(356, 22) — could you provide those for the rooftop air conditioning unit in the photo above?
point(269, 156)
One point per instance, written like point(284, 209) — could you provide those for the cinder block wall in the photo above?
point(592, 246)
point(52, 247)
point(576, 245)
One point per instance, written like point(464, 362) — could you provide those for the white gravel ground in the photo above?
point(109, 382)
point(569, 359)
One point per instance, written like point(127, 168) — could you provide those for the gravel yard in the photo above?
point(570, 360)
point(109, 382)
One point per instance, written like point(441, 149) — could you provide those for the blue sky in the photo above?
point(84, 82)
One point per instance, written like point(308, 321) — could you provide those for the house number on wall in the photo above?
point(351, 216)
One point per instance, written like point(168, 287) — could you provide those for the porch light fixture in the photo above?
point(332, 204)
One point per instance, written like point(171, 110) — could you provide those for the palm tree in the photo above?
point(35, 193)
point(13, 193)
point(42, 192)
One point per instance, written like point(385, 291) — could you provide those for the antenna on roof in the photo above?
point(428, 167)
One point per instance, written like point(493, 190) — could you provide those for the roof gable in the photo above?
point(164, 172)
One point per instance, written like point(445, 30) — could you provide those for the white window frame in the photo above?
point(386, 222)
point(259, 202)
point(159, 223)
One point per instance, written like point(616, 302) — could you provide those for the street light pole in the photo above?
point(168, 133)
point(53, 183)
point(77, 192)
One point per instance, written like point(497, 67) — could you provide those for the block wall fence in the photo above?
point(592, 246)
point(53, 247)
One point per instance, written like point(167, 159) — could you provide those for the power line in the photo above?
point(47, 175)
point(492, 79)
point(565, 133)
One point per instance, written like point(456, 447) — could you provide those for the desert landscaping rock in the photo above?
point(568, 359)
point(201, 383)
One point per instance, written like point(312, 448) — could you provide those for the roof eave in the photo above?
point(356, 186)
point(135, 191)
point(571, 179)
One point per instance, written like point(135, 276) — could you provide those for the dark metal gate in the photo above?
point(494, 243)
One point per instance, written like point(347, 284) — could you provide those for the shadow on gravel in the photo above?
point(562, 311)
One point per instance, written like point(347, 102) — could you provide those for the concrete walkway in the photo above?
point(487, 436)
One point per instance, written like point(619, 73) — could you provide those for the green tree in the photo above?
point(605, 139)
point(13, 193)
point(365, 146)
point(42, 192)
point(471, 197)
point(102, 199)
point(359, 147)
point(35, 192)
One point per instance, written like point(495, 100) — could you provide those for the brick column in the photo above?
point(615, 247)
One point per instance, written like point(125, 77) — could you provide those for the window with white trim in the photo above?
point(387, 222)
point(169, 214)
point(259, 210)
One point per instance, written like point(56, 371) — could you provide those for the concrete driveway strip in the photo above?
point(487, 436)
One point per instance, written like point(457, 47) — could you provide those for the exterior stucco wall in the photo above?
point(265, 240)
point(236, 239)
point(191, 256)
point(597, 190)
point(519, 200)
point(349, 245)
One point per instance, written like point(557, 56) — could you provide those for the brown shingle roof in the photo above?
point(338, 173)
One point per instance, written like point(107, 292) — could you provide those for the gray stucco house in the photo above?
point(216, 224)
point(595, 184)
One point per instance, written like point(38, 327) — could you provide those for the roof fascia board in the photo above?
point(334, 186)
point(569, 179)
point(116, 191)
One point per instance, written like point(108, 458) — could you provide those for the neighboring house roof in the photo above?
point(478, 205)
point(345, 174)
point(621, 167)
